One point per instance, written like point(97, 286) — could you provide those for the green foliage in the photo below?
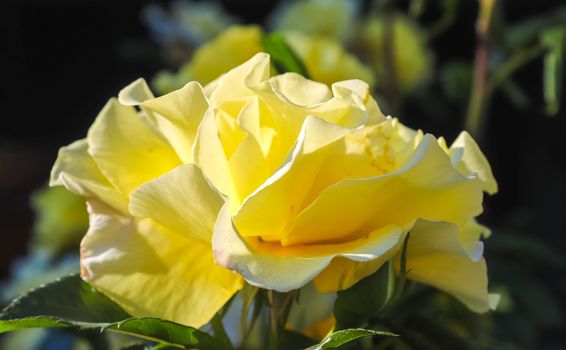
point(528, 30)
point(70, 302)
point(67, 299)
point(282, 56)
point(165, 331)
point(555, 40)
point(345, 336)
point(456, 79)
point(149, 347)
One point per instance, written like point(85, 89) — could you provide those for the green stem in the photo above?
point(220, 332)
point(392, 88)
point(481, 99)
point(477, 104)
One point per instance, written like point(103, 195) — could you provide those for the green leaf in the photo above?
point(282, 56)
point(71, 302)
point(149, 347)
point(68, 298)
point(340, 338)
point(165, 331)
point(555, 40)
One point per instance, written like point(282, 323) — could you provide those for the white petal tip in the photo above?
point(493, 300)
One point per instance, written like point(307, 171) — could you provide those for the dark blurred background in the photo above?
point(61, 60)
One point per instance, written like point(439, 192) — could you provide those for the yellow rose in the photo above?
point(325, 59)
point(279, 179)
point(413, 60)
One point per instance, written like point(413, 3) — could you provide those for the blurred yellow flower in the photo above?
point(325, 59)
point(61, 219)
point(280, 179)
point(329, 18)
point(413, 60)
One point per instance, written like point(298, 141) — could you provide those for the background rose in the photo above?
point(324, 58)
point(294, 179)
point(413, 59)
point(334, 18)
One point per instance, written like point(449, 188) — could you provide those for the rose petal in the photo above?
point(469, 159)
point(176, 115)
point(268, 210)
point(286, 268)
point(435, 257)
point(139, 266)
point(425, 187)
point(127, 150)
point(76, 170)
point(182, 200)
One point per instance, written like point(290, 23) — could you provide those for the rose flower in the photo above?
point(273, 180)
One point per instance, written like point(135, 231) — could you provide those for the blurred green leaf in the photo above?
point(538, 300)
point(555, 40)
point(527, 31)
point(530, 249)
point(340, 338)
point(416, 8)
point(449, 14)
point(456, 80)
point(282, 56)
point(70, 302)
point(515, 94)
point(436, 333)
point(511, 64)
